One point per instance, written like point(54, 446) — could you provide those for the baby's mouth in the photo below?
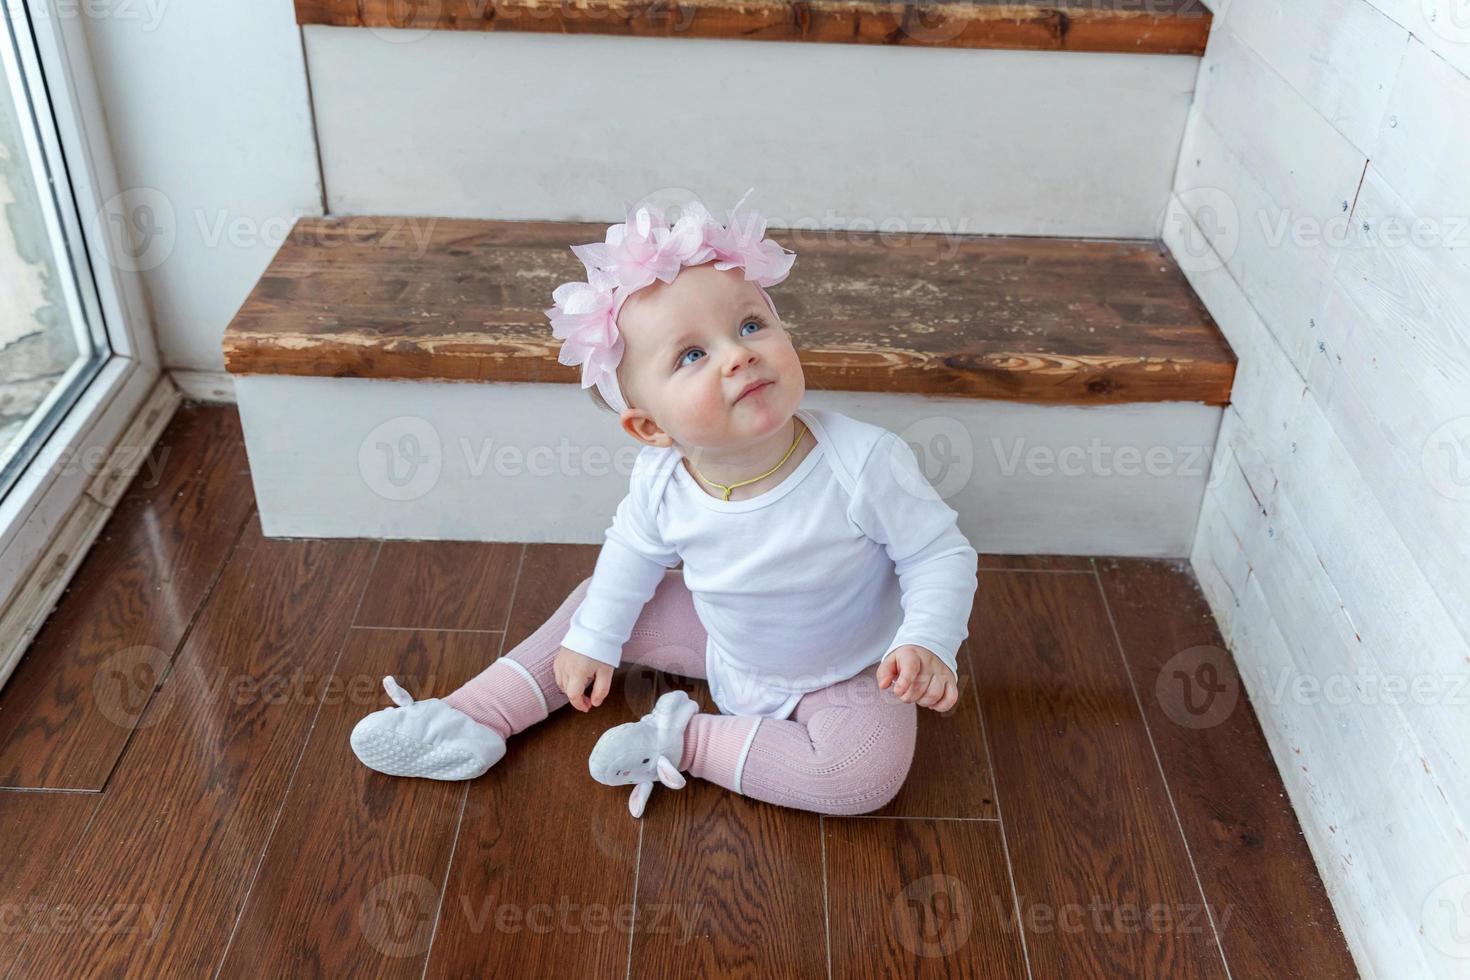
point(755, 389)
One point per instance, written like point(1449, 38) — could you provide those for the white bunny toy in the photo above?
point(641, 751)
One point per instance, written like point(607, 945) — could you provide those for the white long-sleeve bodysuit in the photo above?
point(852, 555)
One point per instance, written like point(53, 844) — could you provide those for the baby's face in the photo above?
point(691, 349)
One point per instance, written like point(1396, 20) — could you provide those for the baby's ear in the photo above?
point(641, 426)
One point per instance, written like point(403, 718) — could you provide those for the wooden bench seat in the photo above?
point(1037, 320)
point(1126, 26)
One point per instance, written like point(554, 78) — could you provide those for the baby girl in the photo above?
point(813, 549)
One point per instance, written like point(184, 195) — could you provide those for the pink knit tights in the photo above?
point(845, 749)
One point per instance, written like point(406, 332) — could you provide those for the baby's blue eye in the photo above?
point(683, 356)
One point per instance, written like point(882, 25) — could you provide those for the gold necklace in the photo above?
point(800, 431)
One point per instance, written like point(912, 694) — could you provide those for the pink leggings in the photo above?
point(845, 749)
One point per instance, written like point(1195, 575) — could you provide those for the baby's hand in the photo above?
point(574, 671)
point(922, 677)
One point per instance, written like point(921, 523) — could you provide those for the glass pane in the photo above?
point(48, 346)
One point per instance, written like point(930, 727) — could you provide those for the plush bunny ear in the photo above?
point(669, 774)
point(641, 792)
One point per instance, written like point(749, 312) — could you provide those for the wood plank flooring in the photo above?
point(194, 810)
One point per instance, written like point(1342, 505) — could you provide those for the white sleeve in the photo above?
point(896, 505)
point(632, 562)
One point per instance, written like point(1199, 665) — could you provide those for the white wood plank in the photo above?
point(1305, 165)
point(1368, 769)
point(1395, 388)
point(1340, 55)
point(1346, 853)
point(1423, 148)
point(1283, 277)
point(1267, 387)
point(1394, 610)
point(1403, 271)
point(1005, 142)
point(1441, 25)
point(1220, 564)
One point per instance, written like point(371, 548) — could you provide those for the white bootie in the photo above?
point(425, 738)
point(645, 750)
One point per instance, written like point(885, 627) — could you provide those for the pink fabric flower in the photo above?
point(634, 254)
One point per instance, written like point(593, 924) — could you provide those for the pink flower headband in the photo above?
point(634, 254)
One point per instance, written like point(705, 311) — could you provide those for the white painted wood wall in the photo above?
point(1322, 210)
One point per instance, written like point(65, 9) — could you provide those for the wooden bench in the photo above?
point(1004, 344)
point(1121, 26)
point(1038, 320)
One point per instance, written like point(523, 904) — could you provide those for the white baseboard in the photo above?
point(347, 457)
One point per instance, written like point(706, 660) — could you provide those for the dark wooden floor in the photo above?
point(180, 800)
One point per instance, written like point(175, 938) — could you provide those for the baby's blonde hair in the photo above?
point(601, 402)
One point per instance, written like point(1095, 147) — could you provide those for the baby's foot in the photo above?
point(425, 738)
point(645, 750)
